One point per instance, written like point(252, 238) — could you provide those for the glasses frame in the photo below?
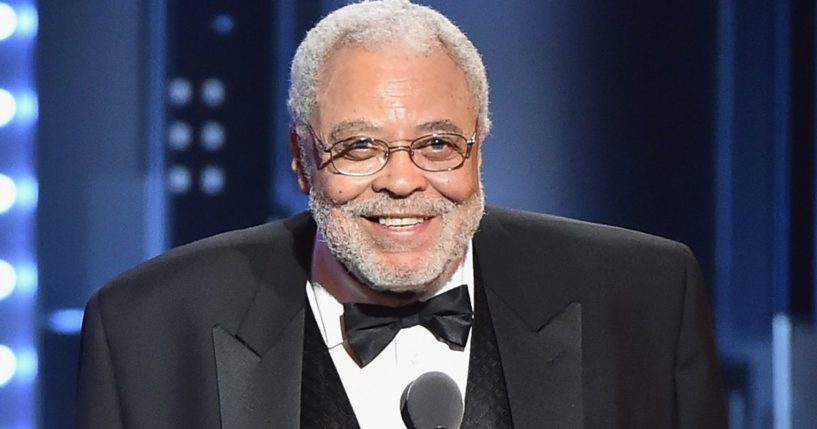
point(390, 149)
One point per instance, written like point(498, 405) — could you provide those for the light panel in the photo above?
point(8, 365)
point(8, 21)
point(28, 365)
point(26, 286)
point(27, 21)
point(8, 193)
point(27, 193)
point(8, 107)
point(19, 112)
point(8, 279)
point(223, 24)
point(179, 179)
point(27, 107)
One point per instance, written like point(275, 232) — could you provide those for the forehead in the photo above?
point(391, 84)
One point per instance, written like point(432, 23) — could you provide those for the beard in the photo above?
point(365, 256)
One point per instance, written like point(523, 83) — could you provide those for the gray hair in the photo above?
point(375, 23)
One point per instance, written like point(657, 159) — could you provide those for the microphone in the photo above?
point(432, 401)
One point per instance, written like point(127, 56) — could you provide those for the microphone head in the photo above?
point(432, 401)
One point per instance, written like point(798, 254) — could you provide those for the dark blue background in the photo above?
point(691, 120)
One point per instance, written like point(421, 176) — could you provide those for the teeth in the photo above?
point(399, 221)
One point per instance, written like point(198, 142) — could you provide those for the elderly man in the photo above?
point(397, 271)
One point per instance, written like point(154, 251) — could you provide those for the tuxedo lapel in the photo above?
point(537, 322)
point(258, 392)
point(259, 366)
point(543, 369)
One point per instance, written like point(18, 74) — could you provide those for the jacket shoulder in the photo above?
point(582, 261)
point(530, 229)
point(212, 275)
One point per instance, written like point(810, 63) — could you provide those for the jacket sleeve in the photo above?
point(698, 383)
point(97, 397)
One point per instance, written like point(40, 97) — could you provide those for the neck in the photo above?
point(333, 276)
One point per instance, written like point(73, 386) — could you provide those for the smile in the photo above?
point(399, 222)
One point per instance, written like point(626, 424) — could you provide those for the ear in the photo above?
point(479, 156)
point(296, 165)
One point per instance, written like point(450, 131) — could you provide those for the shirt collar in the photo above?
point(328, 310)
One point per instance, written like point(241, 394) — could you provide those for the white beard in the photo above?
point(363, 256)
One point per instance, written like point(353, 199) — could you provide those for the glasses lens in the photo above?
point(358, 155)
point(439, 152)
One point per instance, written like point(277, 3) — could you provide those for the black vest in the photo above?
point(324, 403)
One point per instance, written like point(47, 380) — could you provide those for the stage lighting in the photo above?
point(26, 276)
point(8, 21)
point(179, 136)
point(212, 180)
point(28, 365)
point(18, 202)
point(213, 92)
point(8, 107)
point(27, 193)
point(178, 179)
point(8, 364)
point(179, 92)
point(8, 279)
point(27, 20)
point(223, 24)
point(27, 106)
point(66, 321)
point(212, 136)
point(8, 193)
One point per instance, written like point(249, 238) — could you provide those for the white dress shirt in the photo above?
point(374, 390)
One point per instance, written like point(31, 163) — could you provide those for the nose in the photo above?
point(400, 177)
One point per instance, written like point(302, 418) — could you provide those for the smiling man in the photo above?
point(398, 204)
point(397, 271)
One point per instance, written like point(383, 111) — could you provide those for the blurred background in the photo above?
point(128, 127)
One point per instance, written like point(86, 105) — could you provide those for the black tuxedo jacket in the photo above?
point(596, 326)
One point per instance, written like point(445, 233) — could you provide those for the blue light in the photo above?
point(27, 193)
point(26, 280)
point(27, 20)
point(781, 371)
point(179, 179)
point(8, 193)
point(19, 112)
point(28, 365)
point(8, 279)
point(67, 321)
point(27, 106)
point(223, 24)
point(8, 365)
point(212, 180)
point(8, 21)
point(8, 107)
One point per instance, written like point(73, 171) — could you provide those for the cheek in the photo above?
point(341, 189)
point(457, 186)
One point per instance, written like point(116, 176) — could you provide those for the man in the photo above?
point(573, 324)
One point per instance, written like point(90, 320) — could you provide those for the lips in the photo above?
point(400, 221)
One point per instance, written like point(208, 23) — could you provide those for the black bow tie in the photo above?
point(370, 328)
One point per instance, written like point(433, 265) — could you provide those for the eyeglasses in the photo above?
point(364, 156)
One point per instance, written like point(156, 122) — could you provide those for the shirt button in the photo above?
point(416, 359)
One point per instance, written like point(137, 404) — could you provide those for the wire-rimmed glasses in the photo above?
point(364, 155)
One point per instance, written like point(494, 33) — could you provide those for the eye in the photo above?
point(438, 143)
point(357, 149)
point(440, 147)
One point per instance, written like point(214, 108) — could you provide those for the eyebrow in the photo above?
point(445, 125)
point(361, 126)
point(353, 126)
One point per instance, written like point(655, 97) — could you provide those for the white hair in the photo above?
point(376, 23)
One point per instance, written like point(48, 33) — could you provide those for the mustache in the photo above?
point(416, 204)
